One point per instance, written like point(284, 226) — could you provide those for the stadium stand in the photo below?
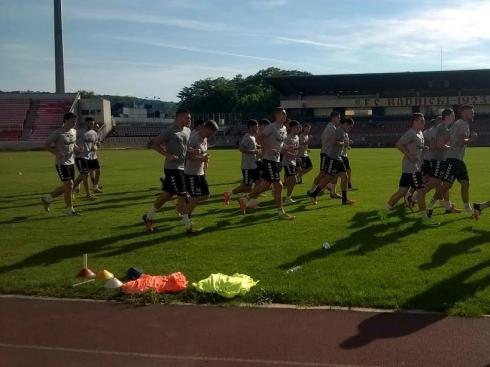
point(30, 117)
point(382, 103)
point(49, 114)
point(13, 113)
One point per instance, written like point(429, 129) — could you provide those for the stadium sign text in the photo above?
point(420, 101)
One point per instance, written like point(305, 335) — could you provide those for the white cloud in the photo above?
point(458, 27)
point(198, 49)
point(101, 14)
point(268, 3)
point(310, 42)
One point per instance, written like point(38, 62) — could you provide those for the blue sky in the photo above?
point(154, 48)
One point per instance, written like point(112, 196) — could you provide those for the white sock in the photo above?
point(447, 204)
point(187, 221)
point(49, 198)
point(151, 213)
point(280, 211)
point(468, 207)
point(70, 210)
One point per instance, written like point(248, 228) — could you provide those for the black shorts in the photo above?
point(346, 162)
point(174, 182)
point(66, 172)
point(82, 165)
point(334, 166)
point(271, 171)
point(93, 164)
point(196, 185)
point(250, 176)
point(439, 170)
point(306, 162)
point(456, 170)
point(260, 165)
point(427, 168)
point(290, 170)
point(323, 162)
point(413, 180)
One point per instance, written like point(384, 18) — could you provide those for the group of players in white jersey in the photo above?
point(72, 147)
point(433, 159)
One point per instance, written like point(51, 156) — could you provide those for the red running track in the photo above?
point(79, 333)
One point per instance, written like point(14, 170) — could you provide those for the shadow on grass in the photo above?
point(372, 235)
point(98, 247)
point(221, 225)
point(442, 296)
point(448, 250)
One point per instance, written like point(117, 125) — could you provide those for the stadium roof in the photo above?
point(379, 82)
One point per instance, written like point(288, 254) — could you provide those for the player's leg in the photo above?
point(169, 189)
point(306, 166)
point(344, 184)
point(289, 182)
point(95, 174)
point(249, 176)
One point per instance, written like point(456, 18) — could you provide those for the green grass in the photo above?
point(399, 265)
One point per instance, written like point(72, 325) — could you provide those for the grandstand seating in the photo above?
point(49, 116)
point(12, 116)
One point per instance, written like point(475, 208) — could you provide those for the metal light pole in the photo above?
point(58, 48)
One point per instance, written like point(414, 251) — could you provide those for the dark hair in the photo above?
point(334, 114)
point(251, 123)
point(417, 116)
point(212, 125)
point(465, 107)
point(447, 112)
point(293, 123)
point(89, 119)
point(181, 111)
point(347, 121)
point(306, 125)
point(69, 116)
point(264, 122)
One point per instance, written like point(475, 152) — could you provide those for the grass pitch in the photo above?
point(399, 265)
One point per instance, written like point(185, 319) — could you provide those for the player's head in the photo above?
point(263, 123)
point(69, 120)
point(335, 117)
point(347, 124)
point(448, 116)
point(209, 128)
point(467, 112)
point(418, 121)
point(280, 115)
point(90, 123)
point(183, 117)
point(252, 126)
point(294, 127)
point(306, 129)
point(198, 124)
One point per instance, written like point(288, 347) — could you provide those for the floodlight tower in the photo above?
point(58, 48)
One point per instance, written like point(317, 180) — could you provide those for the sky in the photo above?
point(155, 48)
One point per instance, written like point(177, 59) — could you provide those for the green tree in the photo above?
point(239, 94)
